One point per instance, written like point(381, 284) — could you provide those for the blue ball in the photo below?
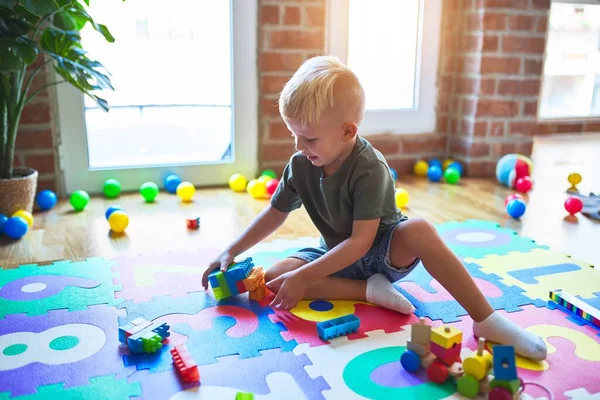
point(15, 227)
point(111, 210)
point(410, 361)
point(434, 173)
point(394, 174)
point(435, 161)
point(456, 165)
point(3, 219)
point(516, 208)
point(46, 199)
point(171, 183)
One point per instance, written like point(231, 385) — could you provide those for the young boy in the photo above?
point(347, 189)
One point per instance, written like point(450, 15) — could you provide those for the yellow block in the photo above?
point(446, 336)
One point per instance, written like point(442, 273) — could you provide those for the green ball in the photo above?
point(112, 188)
point(269, 172)
point(452, 176)
point(149, 191)
point(79, 199)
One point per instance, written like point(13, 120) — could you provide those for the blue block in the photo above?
point(212, 278)
point(132, 328)
point(338, 326)
point(505, 364)
point(235, 272)
point(135, 341)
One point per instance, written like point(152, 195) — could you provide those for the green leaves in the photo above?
point(41, 7)
point(15, 53)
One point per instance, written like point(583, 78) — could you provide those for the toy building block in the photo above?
point(255, 279)
point(512, 386)
point(420, 333)
point(338, 326)
point(428, 360)
point(576, 306)
point(448, 356)
point(421, 349)
point(193, 223)
point(149, 339)
point(185, 365)
point(446, 336)
point(244, 396)
point(258, 294)
point(132, 328)
point(505, 365)
point(225, 284)
point(480, 363)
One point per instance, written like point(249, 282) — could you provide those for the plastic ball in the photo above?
point(149, 191)
point(574, 179)
point(402, 198)
point(256, 189)
point(506, 168)
point(420, 168)
point(516, 208)
point(452, 176)
point(457, 166)
point(3, 219)
point(171, 182)
point(15, 227)
point(186, 191)
point(434, 173)
point(269, 172)
point(511, 197)
point(410, 361)
point(447, 163)
point(521, 169)
point(435, 161)
point(394, 174)
point(265, 178)
point(111, 210)
point(46, 199)
point(118, 221)
point(573, 205)
point(272, 186)
point(524, 184)
point(79, 199)
point(26, 215)
point(237, 182)
point(112, 188)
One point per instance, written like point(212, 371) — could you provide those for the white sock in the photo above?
point(497, 328)
point(381, 292)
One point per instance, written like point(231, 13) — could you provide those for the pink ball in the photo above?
point(524, 184)
point(573, 205)
point(272, 186)
point(512, 197)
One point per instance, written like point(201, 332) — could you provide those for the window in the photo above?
point(571, 80)
point(184, 100)
point(393, 47)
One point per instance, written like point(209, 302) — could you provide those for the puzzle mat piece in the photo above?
point(175, 274)
point(321, 310)
point(511, 298)
point(249, 375)
point(582, 394)
point(370, 368)
point(574, 318)
point(69, 285)
point(519, 269)
point(475, 238)
point(100, 387)
point(59, 347)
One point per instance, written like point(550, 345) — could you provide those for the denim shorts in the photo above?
point(377, 260)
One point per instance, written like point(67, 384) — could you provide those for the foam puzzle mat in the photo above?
point(59, 327)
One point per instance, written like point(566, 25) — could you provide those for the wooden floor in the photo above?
point(160, 227)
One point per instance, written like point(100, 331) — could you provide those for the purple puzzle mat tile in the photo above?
point(59, 347)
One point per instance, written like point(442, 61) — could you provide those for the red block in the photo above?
point(241, 287)
point(448, 356)
point(184, 364)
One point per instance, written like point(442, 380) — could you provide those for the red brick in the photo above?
point(522, 22)
point(315, 16)
point(487, 86)
point(490, 43)
point(46, 183)
point(481, 128)
point(444, 84)
point(591, 127)
point(502, 148)
point(467, 85)
point(459, 146)
point(494, 22)
point(34, 139)
point(480, 168)
point(453, 128)
point(418, 144)
point(570, 128)
point(471, 43)
point(534, 67)
point(469, 107)
point(541, 4)
point(500, 65)
point(442, 124)
point(36, 84)
point(269, 108)
point(523, 44)
point(525, 148)
point(278, 130)
point(468, 64)
point(386, 144)
point(530, 108)
point(542, 24)
point(511, 4)
point(526, 128)
point(403, 165)
point(546, 128)
point(467, 127)
point(514, 87)
point(280, 62)
point(277, 151)
point(269, 15)
point(272, 84)
point(296, 39)
point(36, 113)
point(474, 22)
point(497, 129)
point(442, 106)
point(291, 15)
point(497, 108)
point(43, 163)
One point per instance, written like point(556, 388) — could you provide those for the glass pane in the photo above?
point(383, 40)
point(171, 69)
point(572, 66)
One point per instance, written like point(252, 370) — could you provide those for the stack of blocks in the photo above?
point(332, 328)
point(239, 278)
point(476, 378)
point(505, 374)
point(185, 365)
point(142, 336)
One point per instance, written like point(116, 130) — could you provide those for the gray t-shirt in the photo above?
point(361, 189)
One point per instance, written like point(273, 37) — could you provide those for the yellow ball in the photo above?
point(573, 178)
point(118, 221)
point(26, 215)
point(257, 189)
point(265, 178)
point(401, 198)
point(447, 162)
point(237, 182)
point(186, 191)
point(421, 168)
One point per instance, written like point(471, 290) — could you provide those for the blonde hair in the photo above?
point(319, 85)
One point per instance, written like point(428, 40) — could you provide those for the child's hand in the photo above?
point(223, 260)
point(290, 288)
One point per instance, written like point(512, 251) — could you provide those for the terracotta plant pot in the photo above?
point(18, 193)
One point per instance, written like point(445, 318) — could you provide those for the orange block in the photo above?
point(258, 293)
point(255, 279)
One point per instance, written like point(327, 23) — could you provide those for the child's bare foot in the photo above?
point(497, 328)
point(381, 292)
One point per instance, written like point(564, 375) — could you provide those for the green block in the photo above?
point(223, 285)
point(151, 342)
point(511, 386)
point(218, 293)
point(468, 386)
point(244, 396)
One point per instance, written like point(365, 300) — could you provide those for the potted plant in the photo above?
point(49, 32)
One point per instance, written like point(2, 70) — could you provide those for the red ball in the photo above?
point(573, 205)
point(524, 184)
point(272, 186)
point(521, 169)
point(512, 197)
